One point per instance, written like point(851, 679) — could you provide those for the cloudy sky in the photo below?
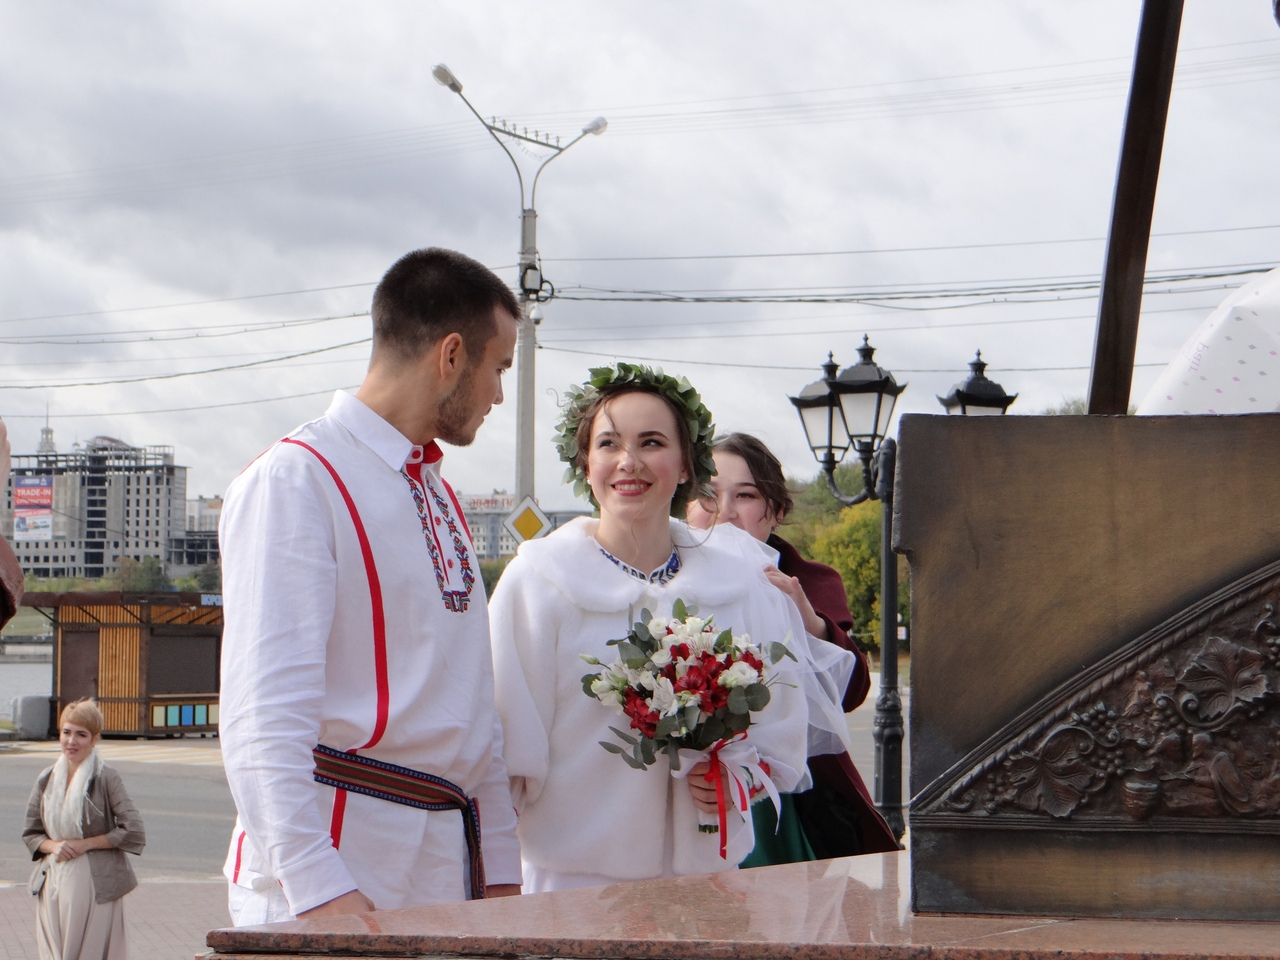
point(190, 188)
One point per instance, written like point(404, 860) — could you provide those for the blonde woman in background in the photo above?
point(80, 823)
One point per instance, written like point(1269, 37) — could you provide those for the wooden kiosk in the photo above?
point(150, 659)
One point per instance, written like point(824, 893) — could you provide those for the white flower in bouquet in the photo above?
point(740, 674)
point(664, 699)
point(610, 684)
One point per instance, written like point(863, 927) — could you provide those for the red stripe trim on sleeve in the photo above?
point(235, 872)
point(339, 811)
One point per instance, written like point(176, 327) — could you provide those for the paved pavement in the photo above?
point(168, 917)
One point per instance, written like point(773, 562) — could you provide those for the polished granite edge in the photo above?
point(709, 950)
point(828, 910)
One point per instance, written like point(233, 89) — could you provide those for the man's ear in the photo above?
point(451, 356)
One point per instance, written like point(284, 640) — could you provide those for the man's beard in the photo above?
point(455, 417)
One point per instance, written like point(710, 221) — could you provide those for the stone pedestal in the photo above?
point(828, 910)
point(1095, 710)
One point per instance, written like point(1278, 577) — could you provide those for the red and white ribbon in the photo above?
point(744, 771)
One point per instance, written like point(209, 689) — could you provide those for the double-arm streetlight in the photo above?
point(533, 287)
point(853, 408)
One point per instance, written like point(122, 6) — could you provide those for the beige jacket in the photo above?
point(10, 582)
point(107, 810)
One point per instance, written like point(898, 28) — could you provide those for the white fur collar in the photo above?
point(62, 806)
point(715, 565)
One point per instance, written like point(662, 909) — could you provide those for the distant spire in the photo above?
point(47, 446)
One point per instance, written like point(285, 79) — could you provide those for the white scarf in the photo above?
point(62, 806)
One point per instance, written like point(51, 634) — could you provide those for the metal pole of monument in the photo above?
point(1120, 300)
point(888, 727)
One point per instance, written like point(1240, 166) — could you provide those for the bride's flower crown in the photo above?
point(677, 391)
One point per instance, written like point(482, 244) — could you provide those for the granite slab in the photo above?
point(828, 910)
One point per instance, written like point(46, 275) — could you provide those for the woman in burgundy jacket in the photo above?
point(837, 816)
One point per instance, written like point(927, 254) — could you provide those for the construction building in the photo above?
point(78, 514)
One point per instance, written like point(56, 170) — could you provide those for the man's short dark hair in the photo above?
point(428, 294)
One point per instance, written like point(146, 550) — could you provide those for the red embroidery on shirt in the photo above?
point(455, 601)
point(457, 506)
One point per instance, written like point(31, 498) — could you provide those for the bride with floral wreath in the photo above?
point(638, 445)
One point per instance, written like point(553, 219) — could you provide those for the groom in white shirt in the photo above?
point(358, 726)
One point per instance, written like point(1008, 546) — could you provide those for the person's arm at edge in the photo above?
point(10, 570)
point(10, 582)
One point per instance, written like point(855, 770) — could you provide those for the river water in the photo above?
point(23, 680)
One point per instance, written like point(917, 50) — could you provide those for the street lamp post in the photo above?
point(977, 396)
point(854, 408)
point(533, 287)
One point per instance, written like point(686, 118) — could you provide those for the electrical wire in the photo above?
point(933, 248)
point(185, 373)
point(198, 409)
point(810, 254)
point(872, 295)
point(680, 361)
point(193, 332)
point(384, 147)
point(847, 320)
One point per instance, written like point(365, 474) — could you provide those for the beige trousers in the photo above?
point(70, 924)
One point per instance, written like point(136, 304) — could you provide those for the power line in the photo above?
point(902, 328)
point(188, 332)
point(187, 373)
point(850, 320)
point(677, 362)
point(146, 413)
point(874, 250)
point(881, 296)
point(326, 155)
point(889, 83)
point(930, 248)
point(187, 303)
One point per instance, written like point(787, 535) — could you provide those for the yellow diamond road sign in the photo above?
point(526, 521)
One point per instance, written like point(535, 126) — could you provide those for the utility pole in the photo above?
point(533, 287)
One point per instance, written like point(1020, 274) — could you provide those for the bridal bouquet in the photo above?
point(688, 688)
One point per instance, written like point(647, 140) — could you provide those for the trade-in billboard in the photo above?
point(33, 508)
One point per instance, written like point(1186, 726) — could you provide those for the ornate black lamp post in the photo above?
point(977, 396)
point(853, 408)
